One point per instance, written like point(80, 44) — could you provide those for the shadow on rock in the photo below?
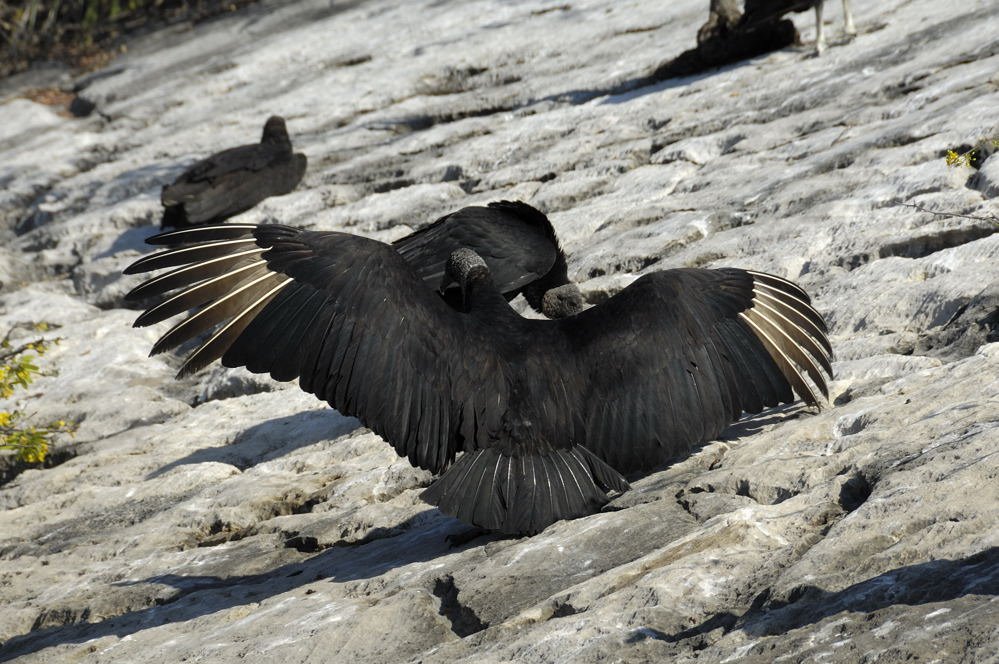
point(132, 238)
point(925, 583)
point(421, 538)
point(974, 324)
point(624, 91)
point(739, 44)
point(753, 424)
point(269, 440)
point(721, 42)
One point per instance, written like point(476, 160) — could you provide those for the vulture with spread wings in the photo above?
point(234, 180)
point(526, 421)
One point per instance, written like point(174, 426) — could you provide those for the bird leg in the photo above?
point(820, 34)
point(848, 26)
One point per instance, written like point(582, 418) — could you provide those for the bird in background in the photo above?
point(234, 180)
point(758, 11)
point(524, 421)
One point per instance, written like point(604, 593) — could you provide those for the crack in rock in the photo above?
point(855, 491)
point(563, 609)
point(921, 246)
point(11, 466)
point(463, 620)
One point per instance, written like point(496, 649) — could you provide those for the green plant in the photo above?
point(17, 371)
point(87, 33)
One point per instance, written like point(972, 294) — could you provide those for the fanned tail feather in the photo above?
point(523, 494)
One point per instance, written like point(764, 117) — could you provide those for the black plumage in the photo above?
point(759, 13)
point(518, 244)
point(529, 421)
point(234, 180)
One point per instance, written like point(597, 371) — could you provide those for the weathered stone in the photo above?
point(986, 180)
point(225, 517)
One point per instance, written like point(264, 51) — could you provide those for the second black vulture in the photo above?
point(526, 421)
point(518, 244)
point(762, 11)
point(234, 180)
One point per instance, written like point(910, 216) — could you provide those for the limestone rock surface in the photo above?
point(227, 518)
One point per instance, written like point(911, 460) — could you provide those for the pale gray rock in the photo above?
point(986, 180)
point(225, 517)
point(220, 382)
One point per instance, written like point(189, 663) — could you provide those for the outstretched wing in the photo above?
point(356, 326)
point(344, 315)
point(678, 355)
point(516, 241)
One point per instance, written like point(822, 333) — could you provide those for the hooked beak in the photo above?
point(446, 282)
point(447, 290)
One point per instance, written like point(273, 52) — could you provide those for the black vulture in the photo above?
point(517, 242)
point(762, 11)
point(526, 421)
point(234, 180)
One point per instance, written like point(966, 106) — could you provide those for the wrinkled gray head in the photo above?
point(459, 264)
point(562, 301)
point(275, 131)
